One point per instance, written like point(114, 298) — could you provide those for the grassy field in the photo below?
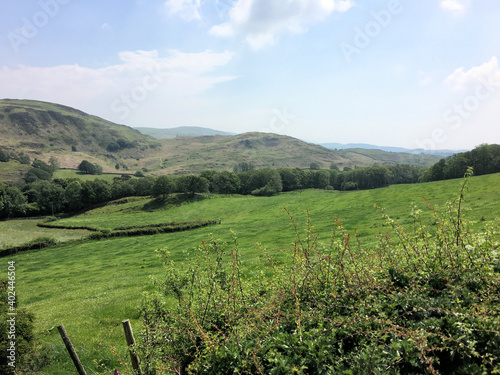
point(12, 171)
point(71, 173)
point(92, 286)
point(18, 232)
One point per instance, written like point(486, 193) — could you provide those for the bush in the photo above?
point(423, 302)
point(4, 156)
point(25, 358)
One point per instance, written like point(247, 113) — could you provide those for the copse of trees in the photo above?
point(89, 168)
point(12, 201)
point(41, 170)
point(191, 184)
point(484, 159)
point(162, 187)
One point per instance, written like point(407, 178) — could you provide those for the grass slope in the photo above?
point(91, 287)
point(194, 154)
point(41, 130)
point(18, 232)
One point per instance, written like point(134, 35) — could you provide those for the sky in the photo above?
point(414, 74)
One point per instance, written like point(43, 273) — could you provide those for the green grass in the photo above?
point(12, 171)
point(91, 287)
point(71, 173)
point(18, 232)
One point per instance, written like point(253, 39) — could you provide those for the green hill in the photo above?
point(39, 125)
point(194, 154)
point(43, 130)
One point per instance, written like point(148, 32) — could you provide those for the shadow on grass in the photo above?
point(172, 200)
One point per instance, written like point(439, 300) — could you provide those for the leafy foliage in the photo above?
point(485, 159)
point(424, 301)
point(87, 167)
point(26, 359)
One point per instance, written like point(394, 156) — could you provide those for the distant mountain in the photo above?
point(194, 154)
point(181, 131)
point(366, 146)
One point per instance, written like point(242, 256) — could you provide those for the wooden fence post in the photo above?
point(71, 350)
point(131, 342)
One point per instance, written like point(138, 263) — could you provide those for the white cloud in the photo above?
point(455, 5)
point(186, 9)
point(179, 77)
point(261, 21)
point(461, 79)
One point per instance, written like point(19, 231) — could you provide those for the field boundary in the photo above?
point(148, 230)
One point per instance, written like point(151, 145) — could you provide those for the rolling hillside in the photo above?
point(38, 126)
point(43, 130)
point(194, 154)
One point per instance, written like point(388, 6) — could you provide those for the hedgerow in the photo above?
point(148, 230)
point(36, 244)
point(425, 301)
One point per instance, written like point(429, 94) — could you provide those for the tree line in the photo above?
point(42, 195)
point(484, 159)
point(45, 196)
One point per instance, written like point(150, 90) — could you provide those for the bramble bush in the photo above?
point(425, 301)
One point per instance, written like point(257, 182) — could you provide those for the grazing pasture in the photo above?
point(91, 286)
point(18, 232)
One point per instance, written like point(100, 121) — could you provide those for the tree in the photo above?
point(12, 201)
point(35, 174)
point(314, 166)
point(94, 192)
point(120, 189)
point(265, 181)
point(49, 197)
point(209, 174)
point(4, 156)
point(320, 179)
point(191, 184)
point(334, 167)
point(226, 183)
point(54, 163)
point(42, 165)
point(102, 190)
point(143, 186)
point(290, 178)
point(434, 173)
point(73, 196)
point(89, 168)
point(162, 187)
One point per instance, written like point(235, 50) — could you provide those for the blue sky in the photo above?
point(416, 74)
